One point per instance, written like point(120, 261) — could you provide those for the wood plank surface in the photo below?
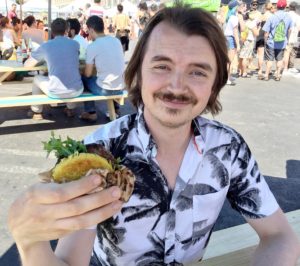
point(43, 99)
point(234, 246)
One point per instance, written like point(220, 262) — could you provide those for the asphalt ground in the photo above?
point(266, 113)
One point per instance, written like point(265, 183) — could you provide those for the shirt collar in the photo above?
point(148, 142)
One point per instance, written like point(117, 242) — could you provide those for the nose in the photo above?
point(177, 81)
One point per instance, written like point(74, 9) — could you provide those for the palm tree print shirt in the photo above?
point(158, 226)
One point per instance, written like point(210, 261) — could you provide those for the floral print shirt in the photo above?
point(160, 226)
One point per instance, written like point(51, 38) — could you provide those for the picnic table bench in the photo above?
point(8, 67)
point(28, 100)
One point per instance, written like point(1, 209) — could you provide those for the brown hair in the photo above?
point(59, 27)
point(191, 21)
point(3, 22)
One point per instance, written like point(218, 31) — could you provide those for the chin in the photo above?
point(173, 119)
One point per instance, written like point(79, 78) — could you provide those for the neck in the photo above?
point(99, 35)
point(169, 140)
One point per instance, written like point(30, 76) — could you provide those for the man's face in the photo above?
point(178, 72)
point(254, 6)
point(242, 8)
point(13, 8)
point(40, 26)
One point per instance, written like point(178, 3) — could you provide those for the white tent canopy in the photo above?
point(129, 8)
point(74, 6)
point(38, 6)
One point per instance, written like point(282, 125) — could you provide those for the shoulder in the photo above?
point(112, 130)
point(111, 40)
point(233, 20)
point(214, 131)
point(74, 43)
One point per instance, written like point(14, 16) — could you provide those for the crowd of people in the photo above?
point(253, 32)
point(250, 32)
point(91, 37)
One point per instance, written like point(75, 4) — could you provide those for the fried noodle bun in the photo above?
point(76, 166)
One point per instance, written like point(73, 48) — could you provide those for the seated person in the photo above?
point(74, 29)
point(106, 53)
point(9, 36)
point(41, 26)
point(62, 57)
point(32, 32)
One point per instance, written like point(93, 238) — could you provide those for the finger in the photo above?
point(89, 219)
point(49, 193)
point(86, 203)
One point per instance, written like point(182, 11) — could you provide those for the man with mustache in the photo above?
point(185, 166)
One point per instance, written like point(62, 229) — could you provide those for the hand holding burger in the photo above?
point(75, 160)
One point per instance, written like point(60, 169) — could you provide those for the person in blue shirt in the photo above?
point(274, 50)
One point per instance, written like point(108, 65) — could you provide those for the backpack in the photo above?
point(280, 33)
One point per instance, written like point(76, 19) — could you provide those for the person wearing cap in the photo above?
point(290, 52)
point(233, 23)
point(275, 50)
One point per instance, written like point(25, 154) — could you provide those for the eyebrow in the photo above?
point(204, 66)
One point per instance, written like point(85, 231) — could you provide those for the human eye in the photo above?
point(198, 73)
point(161, 67)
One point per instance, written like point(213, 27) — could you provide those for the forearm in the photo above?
point(276, 251)
point(39, 254)
point(236, 38)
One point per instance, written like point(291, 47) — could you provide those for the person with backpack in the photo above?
point(277, 30)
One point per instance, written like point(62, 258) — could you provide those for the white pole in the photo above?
point(49, 19)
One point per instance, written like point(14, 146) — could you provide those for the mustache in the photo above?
point(169, 96)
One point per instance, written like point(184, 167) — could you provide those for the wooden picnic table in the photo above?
point(7, 67)
point(235, 246)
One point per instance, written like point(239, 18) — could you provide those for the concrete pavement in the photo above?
point(265, 113)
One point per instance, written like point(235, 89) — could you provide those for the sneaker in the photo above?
point(88, 117)
point(293, 70)
point(35, 116)
point(117, 114)
point(69, 112)
point(286, 73)
point(230, 83)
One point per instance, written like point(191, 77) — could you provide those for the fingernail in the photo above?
point(116, 193)
point(96, 180)
point(117, 205)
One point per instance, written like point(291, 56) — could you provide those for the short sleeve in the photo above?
point(38, 54)
point(248, 192)
point(266, 27)
point(90, 55)
point(234, 21)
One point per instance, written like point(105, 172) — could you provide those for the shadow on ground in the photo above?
point(15, 120)
point(286, 192)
